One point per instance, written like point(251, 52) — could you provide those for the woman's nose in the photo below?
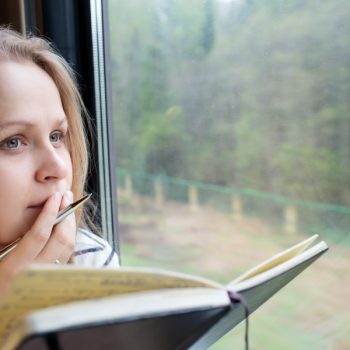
point(52, 165)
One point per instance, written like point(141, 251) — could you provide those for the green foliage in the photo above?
point(208, 26)
point(261, 90)
point(320, 165)
point(160, 141)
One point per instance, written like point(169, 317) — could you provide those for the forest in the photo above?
point(241, 93)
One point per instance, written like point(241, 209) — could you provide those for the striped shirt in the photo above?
point(93, 251)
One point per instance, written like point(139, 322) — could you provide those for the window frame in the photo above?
point(80, 32)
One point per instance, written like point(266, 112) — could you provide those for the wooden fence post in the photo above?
point(291, 219)
point(128, 186)
point(236, 205)
point(159, 193)
point(193, 198)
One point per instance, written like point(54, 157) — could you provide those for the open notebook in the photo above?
point(130, 308)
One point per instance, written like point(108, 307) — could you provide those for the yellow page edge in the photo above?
point(276, 259)
point(278, 269)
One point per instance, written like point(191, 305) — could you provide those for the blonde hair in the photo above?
point(15, 47)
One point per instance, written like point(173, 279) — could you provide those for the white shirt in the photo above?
point(93, 251)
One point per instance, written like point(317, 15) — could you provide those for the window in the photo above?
point(232, 134)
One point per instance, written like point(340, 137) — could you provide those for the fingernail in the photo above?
point(57, 196)
point(69, 196)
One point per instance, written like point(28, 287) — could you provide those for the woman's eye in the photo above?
point(56, 137)
point(12, 143)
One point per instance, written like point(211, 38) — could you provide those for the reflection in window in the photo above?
point(232, 129)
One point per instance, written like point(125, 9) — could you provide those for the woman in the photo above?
point(43, 160)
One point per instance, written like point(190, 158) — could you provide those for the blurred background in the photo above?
point(232, 131)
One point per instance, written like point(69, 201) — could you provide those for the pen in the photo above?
point(61, 215)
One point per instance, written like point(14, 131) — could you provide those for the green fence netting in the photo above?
point(329, 220)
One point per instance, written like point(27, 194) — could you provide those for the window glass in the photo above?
point(232, 130)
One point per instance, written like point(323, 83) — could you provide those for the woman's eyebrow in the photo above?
point(10, 123)
point(62, 121)
point(27, 123)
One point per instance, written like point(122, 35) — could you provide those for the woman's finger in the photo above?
point(36, 238)
point(61, 244)
point(67, 199)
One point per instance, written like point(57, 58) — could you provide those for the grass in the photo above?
point(310, 313)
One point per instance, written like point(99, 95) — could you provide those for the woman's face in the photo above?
point(34, 158)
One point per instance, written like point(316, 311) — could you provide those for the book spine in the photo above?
point(239, 298)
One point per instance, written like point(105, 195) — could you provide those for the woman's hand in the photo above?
point(43, 243)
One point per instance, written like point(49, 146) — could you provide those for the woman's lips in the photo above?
point(37, 206)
